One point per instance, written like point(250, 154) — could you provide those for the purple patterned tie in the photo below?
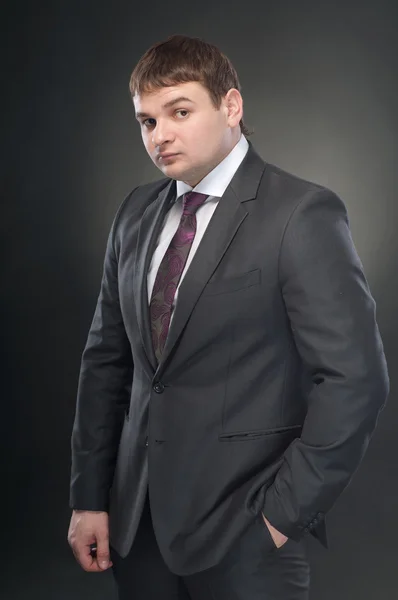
point(170, 271)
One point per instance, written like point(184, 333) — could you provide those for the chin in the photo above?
point(174, 173)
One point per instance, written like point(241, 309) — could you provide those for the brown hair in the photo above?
point(180, 59)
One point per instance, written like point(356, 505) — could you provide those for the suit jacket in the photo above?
point(270, 384)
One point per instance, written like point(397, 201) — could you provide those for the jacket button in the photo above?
point(158, 387)
point(146, 441)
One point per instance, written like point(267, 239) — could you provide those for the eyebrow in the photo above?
point(167, 105)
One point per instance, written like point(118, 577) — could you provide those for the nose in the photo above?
point(161, 134)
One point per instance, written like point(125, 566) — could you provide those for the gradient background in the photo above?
point(320, 88)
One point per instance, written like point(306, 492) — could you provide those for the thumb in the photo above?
point(103, 558)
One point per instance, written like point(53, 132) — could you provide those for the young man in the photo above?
point(233, 373)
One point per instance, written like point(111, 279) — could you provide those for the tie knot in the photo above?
point(192, 201)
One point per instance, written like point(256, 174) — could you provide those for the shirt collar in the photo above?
point(216, 182)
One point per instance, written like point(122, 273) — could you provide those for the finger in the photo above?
point(103, 557)
point(93, 552)
point(85, 559)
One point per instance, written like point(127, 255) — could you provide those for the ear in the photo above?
point(234, 107)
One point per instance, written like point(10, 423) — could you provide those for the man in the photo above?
point(234, 372)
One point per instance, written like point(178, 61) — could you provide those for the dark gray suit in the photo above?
point(271, 381)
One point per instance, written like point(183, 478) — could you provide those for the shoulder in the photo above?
point(285, 181)
point(294, 194)
point(140, 197)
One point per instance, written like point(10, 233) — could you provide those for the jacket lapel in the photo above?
point(225, 222)
point(150, 228)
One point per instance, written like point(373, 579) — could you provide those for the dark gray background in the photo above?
point(320, 88)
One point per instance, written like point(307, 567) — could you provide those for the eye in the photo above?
point(145, 122)
point(182, 110)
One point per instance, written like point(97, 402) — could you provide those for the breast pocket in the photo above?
point(232, 284)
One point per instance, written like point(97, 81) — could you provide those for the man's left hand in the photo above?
point(278, 537)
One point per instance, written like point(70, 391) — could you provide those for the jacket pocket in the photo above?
point(232, 284)
point(242, 436)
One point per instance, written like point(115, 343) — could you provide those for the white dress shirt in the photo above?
point(214, 185)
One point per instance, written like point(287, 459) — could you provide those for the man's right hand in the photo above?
point(90, 527)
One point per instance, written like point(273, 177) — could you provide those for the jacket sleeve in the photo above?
point(103, 394)
point(333, 322)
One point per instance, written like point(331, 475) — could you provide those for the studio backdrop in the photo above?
point(320, 90)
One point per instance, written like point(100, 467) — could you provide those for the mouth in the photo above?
point(166, 156)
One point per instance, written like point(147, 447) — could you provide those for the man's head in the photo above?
point(187, 100)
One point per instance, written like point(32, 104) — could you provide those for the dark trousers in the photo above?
point(247, 572)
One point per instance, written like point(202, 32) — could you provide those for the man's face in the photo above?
point(182, 121)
